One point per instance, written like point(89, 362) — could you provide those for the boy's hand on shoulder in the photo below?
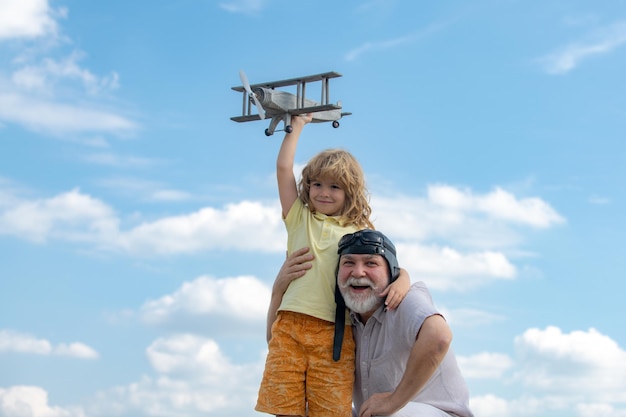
point(397, 290)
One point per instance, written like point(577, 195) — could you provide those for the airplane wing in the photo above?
point(314, 109)
point(293, 81)
point(293, 112)
point(248, 118)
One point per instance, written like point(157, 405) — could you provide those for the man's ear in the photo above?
point(395, 274)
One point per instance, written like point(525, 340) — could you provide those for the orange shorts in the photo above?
point(300, 371)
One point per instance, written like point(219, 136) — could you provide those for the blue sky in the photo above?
point(140, 228)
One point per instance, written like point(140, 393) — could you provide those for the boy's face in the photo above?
point(327, 197)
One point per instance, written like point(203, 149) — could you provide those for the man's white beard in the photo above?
point(365, 302)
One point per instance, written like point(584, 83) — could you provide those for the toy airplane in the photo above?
point(282, 105)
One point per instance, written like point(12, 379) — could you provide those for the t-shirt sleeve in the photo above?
point(420, 306)
point(295, 214)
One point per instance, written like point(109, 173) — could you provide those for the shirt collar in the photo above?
point(322, 217)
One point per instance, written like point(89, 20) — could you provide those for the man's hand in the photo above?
point(294, 267)
point(379, 404)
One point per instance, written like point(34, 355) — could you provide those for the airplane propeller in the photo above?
point(246, 86)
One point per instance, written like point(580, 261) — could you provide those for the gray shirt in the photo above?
point(383, 346)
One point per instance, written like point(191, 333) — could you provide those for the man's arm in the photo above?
point(429, 349)
point(294, 267)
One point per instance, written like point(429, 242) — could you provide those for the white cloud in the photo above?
point(479, 232)
point(489, 406)
point(44, 115)
point(72, 216)
point(374, 6)
point(378, 46)
point(11, 341)
point(584, 363)
point(30, 98)
point(578, 373)
point(466, 317)
point(208, 228)
point(485, 365)
point(599, 410)
point(243, 6)
point(480, 221)
point(77, 217)
point(498, 204)
point(445, 268)
point(48, 94)
point(27, 19)
point(457, 217)
point(116, 160)
point(492, 406)
point(194, 378)
point(76, 350)
point(238, 299)
point(43, 75)
point(599, 200)
point(9, 192)
point(603, 41)
point(145, 190)
point(32, 401)
point(367, 47)
point(188, 354)
point(170, 195)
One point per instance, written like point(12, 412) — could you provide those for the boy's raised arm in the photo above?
point(287, 187)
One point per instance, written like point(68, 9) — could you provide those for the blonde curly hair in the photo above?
point(343, 168)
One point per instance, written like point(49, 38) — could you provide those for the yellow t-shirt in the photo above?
point(314, 293)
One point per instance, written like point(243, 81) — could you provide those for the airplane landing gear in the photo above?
point(335, 124)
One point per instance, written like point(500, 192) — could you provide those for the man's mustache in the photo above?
point(359, 282)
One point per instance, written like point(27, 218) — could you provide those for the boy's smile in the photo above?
point(327, 197)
